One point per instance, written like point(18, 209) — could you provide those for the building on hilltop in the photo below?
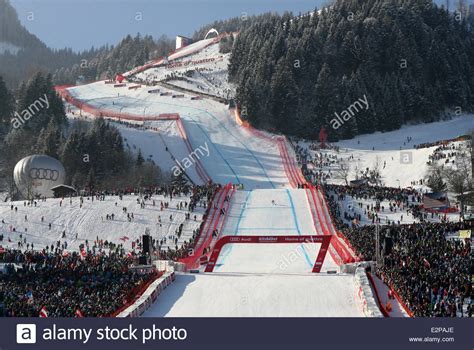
point(182, 41)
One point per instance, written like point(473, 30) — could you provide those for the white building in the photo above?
point(182, 41)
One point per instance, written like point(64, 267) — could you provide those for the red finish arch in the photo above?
point(324, 240)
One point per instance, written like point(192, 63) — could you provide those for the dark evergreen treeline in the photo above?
point(108, 61)
point(28, 61)
point(93, 154)
point(409, 58)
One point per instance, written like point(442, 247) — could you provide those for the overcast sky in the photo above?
point(80, 24)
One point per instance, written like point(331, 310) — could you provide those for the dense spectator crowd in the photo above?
point(99, 279)
point(440, 142)
point(447, 153)
point(67, 284)
point(400, 200)
point(378, 193)
point(430, 272)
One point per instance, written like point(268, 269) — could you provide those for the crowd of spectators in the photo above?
point(378, 193)
point(440, 142)
point(447, 153)
point(67, 284)
point(400, 200)
point(99, 279)
point(196, 197)
point(429, 271)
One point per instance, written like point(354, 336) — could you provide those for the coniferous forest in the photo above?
point(411, 60)
point(95, 155)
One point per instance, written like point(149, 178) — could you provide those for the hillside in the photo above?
point(22, 54)
point(12, 31)
point(407, 60)
point(89, 221)
point(365, 151)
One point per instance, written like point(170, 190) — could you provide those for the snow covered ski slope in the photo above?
point(258, 295)
point(264, 280)
point(235, 155)
point(89, 221)
point(253, 213)
point(257, 280)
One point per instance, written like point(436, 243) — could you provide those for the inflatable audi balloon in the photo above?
point(36, 175)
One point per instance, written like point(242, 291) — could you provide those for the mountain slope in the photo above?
point(408, 59)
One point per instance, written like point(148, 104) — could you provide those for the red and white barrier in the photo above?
point(149, 296)
point(340, 242)
point(180, 64)
point(66, 95)
point(295, 170)
point(364, 294)
point(231, 195)
point(403, 310)
point(323, 240)
point(204, 238)
point(340, 253)
point(161, 60)
point(292, 171)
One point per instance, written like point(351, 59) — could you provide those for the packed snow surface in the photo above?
point(253, 213)
point(90, 222)
point(404, 163)
point(235, 155)
point(264, 280)
point(257, 295)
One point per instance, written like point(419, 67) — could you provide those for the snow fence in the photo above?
point(365, 294)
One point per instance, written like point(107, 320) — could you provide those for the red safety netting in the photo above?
point(106, 113)
point(204, 237)
point(340, 253)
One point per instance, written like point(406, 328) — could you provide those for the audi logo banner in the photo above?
point(44, 174)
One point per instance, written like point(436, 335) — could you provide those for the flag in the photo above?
point(43, 312)
point(78, 313)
